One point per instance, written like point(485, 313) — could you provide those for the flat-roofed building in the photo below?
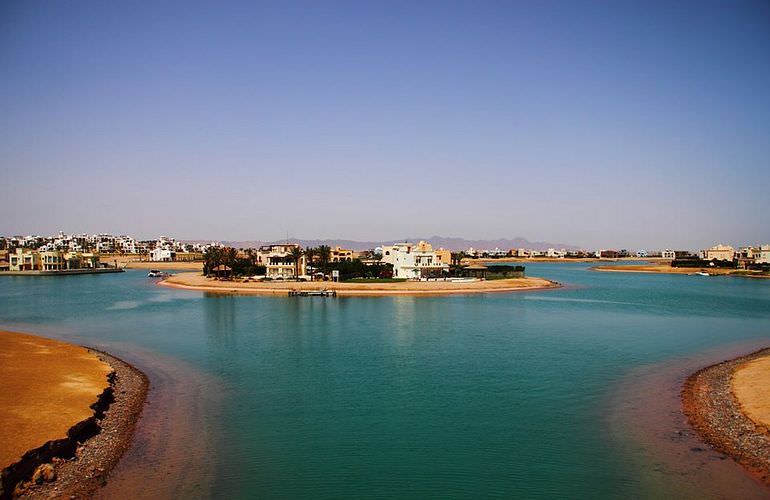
point(339, 254)
point(278, 261)
point(416, 261)
point(24, 260)
point(763, 256)
point(53, 260)
point(720, 252)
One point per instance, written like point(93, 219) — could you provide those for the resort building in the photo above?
point(50, 260)
point(668, 254)
point(24, 260)
point(53, 260)
point(279, 262)
point(763, 256)
point(416, 261)
point(719, 252)
point(339, 254)
point(162, 255)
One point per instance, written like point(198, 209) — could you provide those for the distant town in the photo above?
point(287, 260)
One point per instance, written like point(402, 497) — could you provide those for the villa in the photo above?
point(763, 256)
point(51, 260)
point(339, 254)
point(416, 261)
point(719, 252)
point(278, 261)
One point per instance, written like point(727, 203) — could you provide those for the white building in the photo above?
point(415, 261)
point(162, 255)
point(763, 257)
point(668, 254)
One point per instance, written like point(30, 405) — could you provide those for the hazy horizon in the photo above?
point(638, 125)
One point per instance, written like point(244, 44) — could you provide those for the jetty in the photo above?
point(313, 293)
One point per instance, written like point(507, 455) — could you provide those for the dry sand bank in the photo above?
point(134, 262)
point(524, 260)
point(65, 406)
point(195, 281)
point(665, 268)
point(728, 404)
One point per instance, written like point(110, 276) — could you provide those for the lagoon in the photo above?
point(492, 395)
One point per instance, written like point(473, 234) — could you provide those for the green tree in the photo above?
point(296, 254)
point(324, 256)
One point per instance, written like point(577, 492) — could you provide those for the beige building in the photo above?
point(24, 260)
point(719, 252)
point(52, 261)
point(339, 254)
point(278, 261)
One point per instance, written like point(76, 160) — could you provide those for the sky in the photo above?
point(599, 124)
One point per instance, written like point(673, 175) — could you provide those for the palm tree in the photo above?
point(324, 255)
point(296, 254)
point(212, 258)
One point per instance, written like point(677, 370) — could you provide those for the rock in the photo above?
point(44, 474)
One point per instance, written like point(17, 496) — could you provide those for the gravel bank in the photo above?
point(715, 413)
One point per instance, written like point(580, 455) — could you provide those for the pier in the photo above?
point(312, 293)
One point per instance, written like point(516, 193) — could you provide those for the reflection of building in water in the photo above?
point(404, 316)
point(219, 312)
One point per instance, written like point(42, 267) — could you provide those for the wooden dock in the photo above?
point(313, 293)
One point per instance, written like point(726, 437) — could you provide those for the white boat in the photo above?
point(702, 273)
point(155, 273)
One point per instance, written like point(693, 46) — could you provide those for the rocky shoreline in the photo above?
point(713, 410)
point(79, 465)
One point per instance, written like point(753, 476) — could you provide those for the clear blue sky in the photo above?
point(636, 124)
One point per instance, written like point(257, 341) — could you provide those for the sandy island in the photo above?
point(67, 413)
point(665, 268)
point(195, 281)
point(728, 404)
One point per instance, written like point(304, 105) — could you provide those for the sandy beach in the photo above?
point(728, 404)
point(57, 402)
point(134, 262)
point(665, 268)
point(195, 281)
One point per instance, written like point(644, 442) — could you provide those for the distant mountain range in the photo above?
point(436, 241)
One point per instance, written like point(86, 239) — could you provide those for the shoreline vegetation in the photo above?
point(69, 414)
point(666, 268)
point(195, 281)
point(728, 405)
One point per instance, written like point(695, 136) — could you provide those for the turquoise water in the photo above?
point(495, 395)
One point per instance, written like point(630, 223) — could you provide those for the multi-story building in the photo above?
point(53, 260)
point(668, 254)
point(416, 261)
point(719, 252)
point(763, 256)
point(24, 260)
point(279, 262)
point(339, 254)
point(162, 255)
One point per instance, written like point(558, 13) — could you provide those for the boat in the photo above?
point(702, 273)
point(155, 273)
